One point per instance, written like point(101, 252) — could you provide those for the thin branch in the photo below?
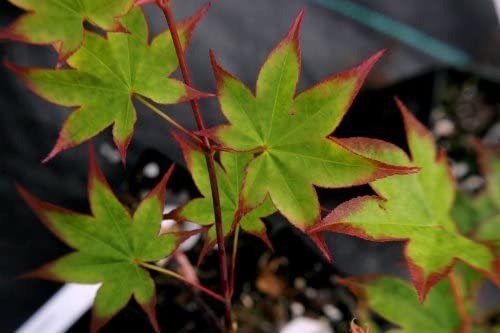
point(183, 279)
point(209, 157)
point(170, 120)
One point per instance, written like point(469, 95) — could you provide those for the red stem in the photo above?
point(209, 157)
point(205, 290)
point(183, 279)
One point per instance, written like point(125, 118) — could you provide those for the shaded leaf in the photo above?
point(396, 301)
point(414, 208)
point(60, 22)
point(106, 73)
point(290, 133)
point(109, 246)
point(230, 174)
point(479, 215)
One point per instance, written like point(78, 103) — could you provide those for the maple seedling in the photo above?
point(275, 148)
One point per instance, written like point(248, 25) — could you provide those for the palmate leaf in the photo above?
point(60, 22)
point(109, 246)
point(106, 73)
point(290, 132)
point(396, 301)
point(415, 208)
point(230, 174)
point(479, 215)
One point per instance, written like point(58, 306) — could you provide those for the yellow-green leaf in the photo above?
point(414, 208)
point(290, 133)
point(106, 73)
point(60, 22)
point(109, 246)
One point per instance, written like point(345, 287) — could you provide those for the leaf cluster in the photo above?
point(275, 148)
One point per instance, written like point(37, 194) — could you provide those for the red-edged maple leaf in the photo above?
point(290, 133)
point(415, 208)
point(106, 73)
point(394, 300)
point(109, 245)
point(60, 22)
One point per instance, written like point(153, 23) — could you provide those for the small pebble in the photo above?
point(297, 309)
point(299, 283)
point(444, 128)
point(111, 154)
point(459, 169)
point(472, 183)
point(332, 312)
point(151, 170)
point(310, 292)
point(247, 301)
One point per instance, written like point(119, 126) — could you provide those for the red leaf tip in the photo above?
point(63, 143)
point(14, 68)
point(368, 63)
point(410, 121)
point(319, 241)
point(142, 2)
point(122, 147)
point(294, 32)
point(27, 197)
point(95, 172)
point(56, 150)
point(193, 21)
point(219, 72)
point(160, 188)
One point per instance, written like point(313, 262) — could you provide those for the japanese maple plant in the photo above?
point(274, 149)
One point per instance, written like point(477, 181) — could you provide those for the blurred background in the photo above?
point(443, 61)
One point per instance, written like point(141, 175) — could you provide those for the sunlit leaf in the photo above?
point(109, 246)
point(290, 133)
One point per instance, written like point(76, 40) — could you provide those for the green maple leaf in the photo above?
point(415, 208)
point(479, 215)
point(396, 301)
point(106, 73)
point(290, 133)
point(229, 179)
point(60, 22)
point(109, 246)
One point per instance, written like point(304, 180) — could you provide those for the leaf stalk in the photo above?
point(169, 120)
point(183, 279)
